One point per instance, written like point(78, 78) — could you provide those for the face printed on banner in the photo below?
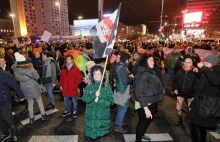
point(97, 75)
point(104, 30)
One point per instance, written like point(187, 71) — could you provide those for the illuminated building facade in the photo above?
point(211, 15)
point(6, 29)
point(32, 17)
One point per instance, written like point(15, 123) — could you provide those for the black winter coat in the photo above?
point(6, 83)
point(185, 83)
point(147, 86)
point(38, 65)
point(208, 85)
point(158, 55)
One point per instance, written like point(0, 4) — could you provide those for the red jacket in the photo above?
point(70, 80)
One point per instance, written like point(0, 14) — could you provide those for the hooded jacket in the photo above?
point(147, 86)
point(185, 83)
point(27, 76)
point(97, 115)
point(70, 80)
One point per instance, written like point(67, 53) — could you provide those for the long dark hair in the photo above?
point(97, 68)
point(142, 62)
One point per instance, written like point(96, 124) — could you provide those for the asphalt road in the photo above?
point(57, 127)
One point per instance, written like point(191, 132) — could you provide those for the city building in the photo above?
point(32, 17)
point(211, 16)
point(83, 26)
point(122, 32)
point(6, 29)
point(137, 30)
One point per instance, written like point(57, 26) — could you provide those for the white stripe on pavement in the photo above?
point(60, 138)
point(154, 137)
point(26, 121)
point(216, 135)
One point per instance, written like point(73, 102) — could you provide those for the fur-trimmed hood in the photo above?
point(22, 66)
point(97, 67)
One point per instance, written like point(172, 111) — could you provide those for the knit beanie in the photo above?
point(19, 57)
point(213, 59)
point(90, 64)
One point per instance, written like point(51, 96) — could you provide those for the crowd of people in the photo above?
point(131, 68)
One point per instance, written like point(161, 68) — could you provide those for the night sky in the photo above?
point(148, 9)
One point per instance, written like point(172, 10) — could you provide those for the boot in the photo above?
point(120, 129)
point(179, 121)
point(31, 120)
point(144, 137)
point(15, 139)
point(44, 117)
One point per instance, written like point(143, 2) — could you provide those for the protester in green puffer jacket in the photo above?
point(97, 116)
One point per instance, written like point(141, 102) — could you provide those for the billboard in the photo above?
point(195, 17)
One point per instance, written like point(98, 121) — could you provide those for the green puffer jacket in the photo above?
point(120, 87)
point(97, 115)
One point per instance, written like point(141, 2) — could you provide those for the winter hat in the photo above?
point(90, 64)
point(213, 59)
point(19, 57)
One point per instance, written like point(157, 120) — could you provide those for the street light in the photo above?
point(161, 16)
point(184, 11)
point(58, 4)
point(12, 17)
point(80, 18)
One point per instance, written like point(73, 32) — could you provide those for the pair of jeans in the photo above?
point(198, 133)
point(167, 77)
point(6, 120)
point(67, 103)
point(143, 122)
point(121, 113)
point(50, 88)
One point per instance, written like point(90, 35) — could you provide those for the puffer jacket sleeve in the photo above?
point(32, 73)
point(175, 81)
point(89, 95)
point(12, 83)
point(108, 99)
point(140, 90)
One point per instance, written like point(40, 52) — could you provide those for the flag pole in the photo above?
point(111, 37)
point(96, 100)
